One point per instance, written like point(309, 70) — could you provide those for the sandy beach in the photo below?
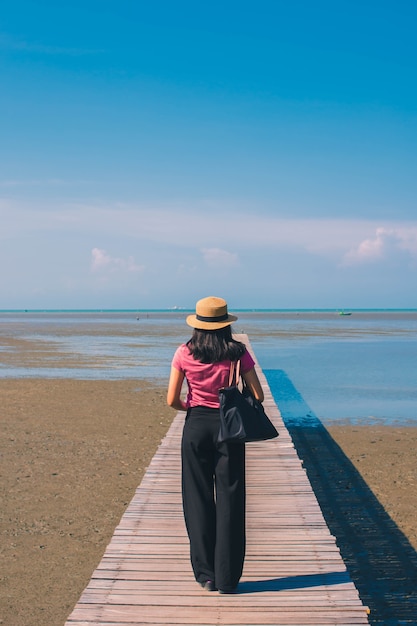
point(73, 453)
point(386, 458)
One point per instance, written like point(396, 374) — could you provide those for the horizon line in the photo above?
point(176, 309)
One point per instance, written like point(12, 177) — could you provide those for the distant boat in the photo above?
point(344, 313)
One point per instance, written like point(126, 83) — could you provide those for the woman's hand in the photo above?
point(252, 381)
point(174, 390)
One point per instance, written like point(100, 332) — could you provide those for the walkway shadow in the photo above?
point(381, 561)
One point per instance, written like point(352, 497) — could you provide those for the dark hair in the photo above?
point(212, 346)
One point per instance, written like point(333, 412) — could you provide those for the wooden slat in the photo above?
point(293, 572)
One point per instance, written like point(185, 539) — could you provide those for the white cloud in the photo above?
point(102, 261)
point(215, 231)
point(187, 251)
point(9, 42)
point(215, 257)
point(99, 259)
point(386, 243)
point(40, 182)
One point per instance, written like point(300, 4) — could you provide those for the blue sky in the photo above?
point(156, 152)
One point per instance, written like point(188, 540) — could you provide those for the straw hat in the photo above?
point(211, 314)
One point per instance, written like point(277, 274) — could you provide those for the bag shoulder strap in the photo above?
point(234, 373)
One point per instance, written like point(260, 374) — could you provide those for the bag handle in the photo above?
point(234, 373)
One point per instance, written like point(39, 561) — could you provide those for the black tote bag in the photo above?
point(242, 416)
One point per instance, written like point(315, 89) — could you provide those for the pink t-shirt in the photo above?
point(205, 379)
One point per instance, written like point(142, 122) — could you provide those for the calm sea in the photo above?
point(319, 364)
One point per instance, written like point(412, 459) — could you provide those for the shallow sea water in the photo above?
point(319, 364)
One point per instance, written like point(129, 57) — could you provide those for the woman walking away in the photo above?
point(213, 474)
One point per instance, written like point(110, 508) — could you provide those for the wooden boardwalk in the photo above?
point(293, 574)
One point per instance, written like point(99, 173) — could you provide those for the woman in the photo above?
point(213, 474)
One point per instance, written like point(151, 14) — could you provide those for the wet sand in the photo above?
point(73, 453)
point(386, 456)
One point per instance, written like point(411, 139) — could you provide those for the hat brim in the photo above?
point(196, 323)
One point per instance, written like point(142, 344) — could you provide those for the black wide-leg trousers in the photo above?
point(213, 491)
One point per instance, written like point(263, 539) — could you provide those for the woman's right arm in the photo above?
point(252, 381)
point(174, 390)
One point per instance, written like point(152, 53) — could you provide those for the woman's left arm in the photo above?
point(174, 390)
point(252, 381)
